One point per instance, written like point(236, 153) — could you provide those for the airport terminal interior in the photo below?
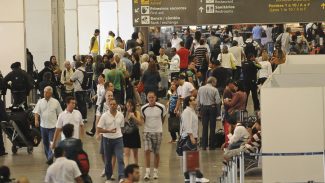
point(162, 91)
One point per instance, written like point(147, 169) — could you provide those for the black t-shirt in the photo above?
point(250, 71)
point(221, 75)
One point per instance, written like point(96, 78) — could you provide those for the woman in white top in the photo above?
point(266, 68)
point(98, 97)
point(144, 63)
point(225, 57)
point(190, 129)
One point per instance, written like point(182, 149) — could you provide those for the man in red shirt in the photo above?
point(183, 55)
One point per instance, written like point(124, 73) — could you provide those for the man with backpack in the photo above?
point(81, 83)
point(251, 46)
point(19, 82)
point(73, 151)
point(63, 169)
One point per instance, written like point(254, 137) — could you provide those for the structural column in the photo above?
point(12, 35)
point(88, 21)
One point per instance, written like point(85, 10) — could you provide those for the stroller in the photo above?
point(20, 129)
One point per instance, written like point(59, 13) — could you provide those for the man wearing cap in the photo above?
point(175, 41)
point(19, 82)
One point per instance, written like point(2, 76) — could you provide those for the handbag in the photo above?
point(232, 62)
point(173, 124)
point(129, 127)
point(231, 117)
point(180, 144)
point(140, 87)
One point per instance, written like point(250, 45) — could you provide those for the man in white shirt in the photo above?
point(175, 41)
point(163, 67)
point(239, 55)
point(46, 112)
point(174, 63)
point(81, 94)
point(63, 169)
point(110, 125)
point(65, 80)
point(153, 115)
point(184, 90)
point(72, 116)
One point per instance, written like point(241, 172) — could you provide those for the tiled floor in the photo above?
point(33, 166)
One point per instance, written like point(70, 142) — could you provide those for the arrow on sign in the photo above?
point(323, 6)
point(136, 20)
point(136, 10)
point(201, 9)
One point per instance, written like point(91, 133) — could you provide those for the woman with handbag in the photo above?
point(190, 132)
point(131, 135)
point(173, 120)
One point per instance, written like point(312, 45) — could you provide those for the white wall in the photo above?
point(88, 21)
point(39, 30)
point(125, 19)
point(12, 36)
point(305, 59)
point(292, 121)
point(71, 28)
point(108, 20)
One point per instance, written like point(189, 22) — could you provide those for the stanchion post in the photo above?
point(234, 169)
point(242, 168)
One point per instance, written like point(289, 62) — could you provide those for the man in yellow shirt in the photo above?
point(94, 45)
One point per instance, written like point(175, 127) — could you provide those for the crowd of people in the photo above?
point(203, 80)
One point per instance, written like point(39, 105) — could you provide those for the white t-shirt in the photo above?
point(74, 118)
point(174, 63)
point(185, 90)
point(175, 43)
point(190, 123)
point(153, 117)
point(108, 122)
point(62, 170)
point(239, 40)
point(100, 94)
point(266, 69)
point(48, 111)
point(237, 51)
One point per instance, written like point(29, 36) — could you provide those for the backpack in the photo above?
point(87, 80)
point(250, 49)
point(83, 162)
point(19, 82)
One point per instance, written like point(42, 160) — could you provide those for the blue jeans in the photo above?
point(270, 48)
point(81, 97)
point(111, 147)
point(47, 136)
point(209, 115)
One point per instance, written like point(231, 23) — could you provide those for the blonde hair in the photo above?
point(144, 58)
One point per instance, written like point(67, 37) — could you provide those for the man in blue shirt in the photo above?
point(257, 33)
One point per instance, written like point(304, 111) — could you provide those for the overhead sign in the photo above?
point(203, 12)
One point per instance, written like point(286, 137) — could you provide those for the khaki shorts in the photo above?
point(152, 141)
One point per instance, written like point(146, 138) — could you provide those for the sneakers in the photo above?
point(155, 174)
point(202, 180)
point(147, 176)
point(90, 133)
